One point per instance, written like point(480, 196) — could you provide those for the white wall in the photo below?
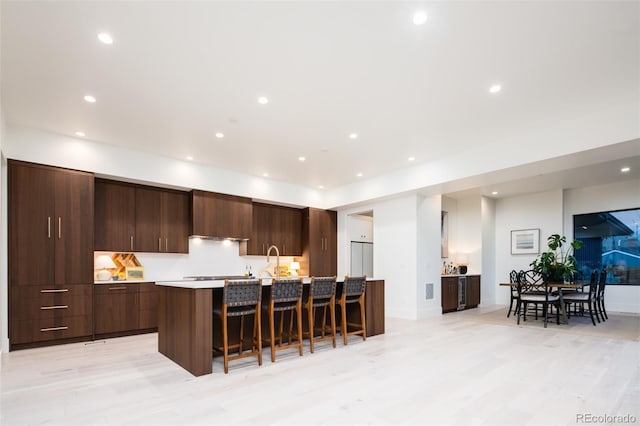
point(488, 279)
point(429, 263)
point(541, 210)
point(617, 196)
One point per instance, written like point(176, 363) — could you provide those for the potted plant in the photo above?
point(555, 265)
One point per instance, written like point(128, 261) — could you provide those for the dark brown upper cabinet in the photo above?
point(50, 225)
point(220, 215)
point(274, 225)
point(319, 242)
point(140, 218)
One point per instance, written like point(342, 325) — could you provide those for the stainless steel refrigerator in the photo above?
point(361, 259)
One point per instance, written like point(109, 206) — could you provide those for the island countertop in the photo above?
point(195, 284)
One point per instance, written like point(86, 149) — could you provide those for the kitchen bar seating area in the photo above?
point(196, 316)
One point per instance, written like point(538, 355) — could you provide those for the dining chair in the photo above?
point(322, 294)
point(602, 285)
point(538, 294)
point(353, 291)
point(285, 296)
point(239, 299)
point(584, 298)
point(513, 279)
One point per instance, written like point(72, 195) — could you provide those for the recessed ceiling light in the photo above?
point(411, 159)
point(495, 88)
point(420, 18)
point(89, 98)
point(320, 186)
point(190, 158)
point(105, 38)
point(80, 134)
point(301, 158)
point(263, 100)
point(219, 135)
point(494, 193)
point(353, 136)
point(265, 174)
point(625, 169)
point(359, 175)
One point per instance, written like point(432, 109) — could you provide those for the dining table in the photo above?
point(564, 319)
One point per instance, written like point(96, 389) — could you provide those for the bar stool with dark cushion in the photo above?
point(286, 296)
point(322, 294)
point(240, 298)
point(353, 290)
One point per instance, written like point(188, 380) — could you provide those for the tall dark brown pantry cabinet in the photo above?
point(319, 242)
point(50, 253)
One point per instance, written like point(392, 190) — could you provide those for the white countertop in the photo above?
point(194, 284)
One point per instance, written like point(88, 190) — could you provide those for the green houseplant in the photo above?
point(554, 265)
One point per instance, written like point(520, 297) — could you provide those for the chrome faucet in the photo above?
point(277, 259)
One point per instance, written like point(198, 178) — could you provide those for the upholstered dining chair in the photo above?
point(239, 299)
point(322, 294)
point(584, 298)
point(538, 293)
point(285, 296)
point(353, 290)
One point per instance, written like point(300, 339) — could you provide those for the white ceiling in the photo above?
point(178, 72)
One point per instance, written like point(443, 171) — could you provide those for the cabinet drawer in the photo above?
point(50, 307)
point(45, 290)
point(40, 330)
point(115, 288)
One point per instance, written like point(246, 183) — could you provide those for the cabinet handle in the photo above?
point(54, 328)
point(48, 226)
point(59, 227)
point(159, 244)
point(132, 243)
point(117, 288)
point(166, 244)
point(54, 290)
point(54, 307)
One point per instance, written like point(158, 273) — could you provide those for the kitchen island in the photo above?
point(185, 319)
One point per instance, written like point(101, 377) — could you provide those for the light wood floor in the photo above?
point(452, 370)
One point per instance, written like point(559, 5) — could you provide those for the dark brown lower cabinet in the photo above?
point(453, 299)
point(125, 308)
point(45, 314)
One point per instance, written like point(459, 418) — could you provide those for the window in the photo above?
point(610, 242)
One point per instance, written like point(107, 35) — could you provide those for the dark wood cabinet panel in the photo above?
point(31, 224)
point(50, 253)
point(319, 242)
point(220, 215)
point(148, 313)
point(450, 289)
point(125, 308)
point(274, 225)
point(115, 307)
point(473, 291)
point(115, 210)
point(148, 235)
point(140, 218)
point(374, 307)
point(449, 292)
point(175, 215)
point(74, 236)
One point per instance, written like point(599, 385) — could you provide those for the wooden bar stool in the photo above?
point(240, 298)
point(322, 294)
point(353, 292)
point(286, 296)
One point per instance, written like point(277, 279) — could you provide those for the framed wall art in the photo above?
point(525, 241)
